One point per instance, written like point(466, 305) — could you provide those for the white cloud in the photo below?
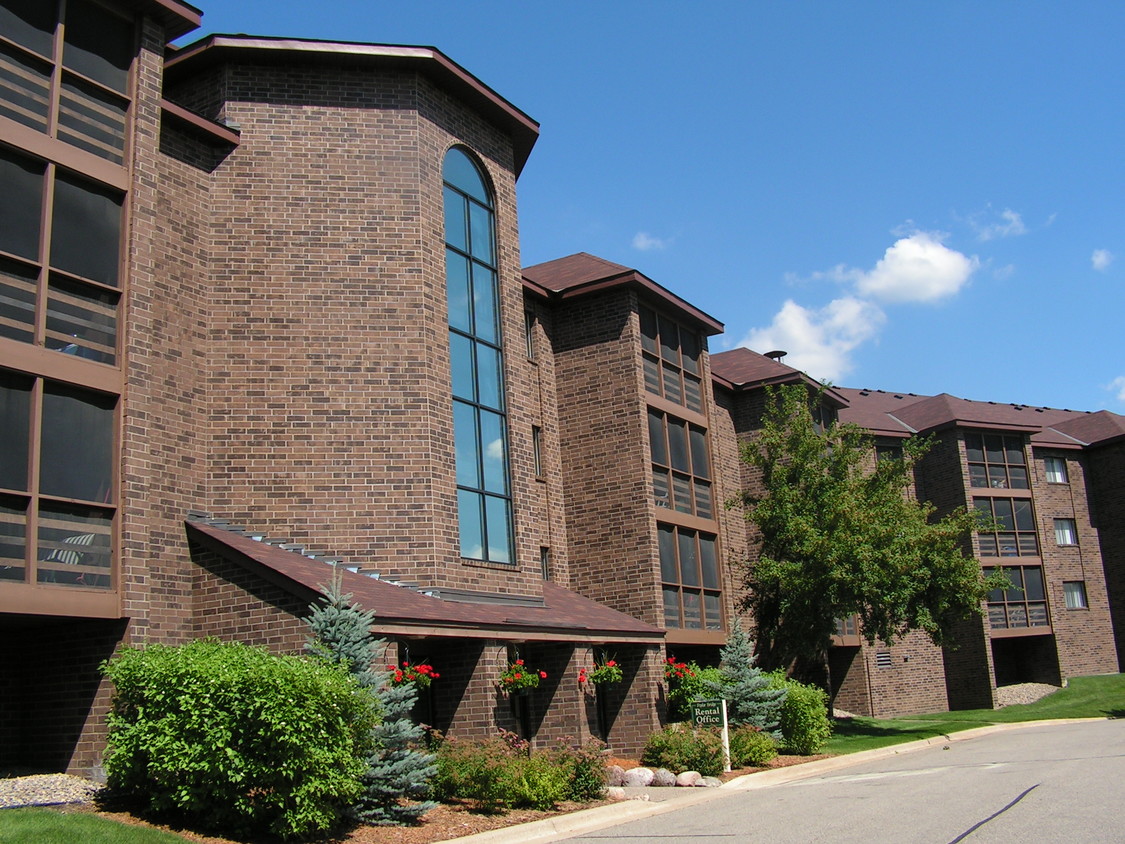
point(1010, 225)
point(819, 342)
point(918, 268)
point(1118, 386)
point(1004, 272)
point(645, 242)
point(1101, 259)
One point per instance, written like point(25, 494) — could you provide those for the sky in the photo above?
point(918, 197)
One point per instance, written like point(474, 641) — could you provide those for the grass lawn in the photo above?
point(1085, 697)
point(47, 826)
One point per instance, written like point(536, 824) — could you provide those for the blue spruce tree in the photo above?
point(397, 772)
point(750, 700)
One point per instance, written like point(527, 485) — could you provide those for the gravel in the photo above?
point(1022, 693)
point(45, 790)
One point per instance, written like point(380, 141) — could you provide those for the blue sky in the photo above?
point(922, 197)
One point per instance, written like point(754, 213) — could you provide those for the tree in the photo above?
point(840, 537)
point(747, 689)
point(396, 769)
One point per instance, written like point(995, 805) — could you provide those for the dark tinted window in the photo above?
point(21, 198)
point(77, 444)
point(86, 230)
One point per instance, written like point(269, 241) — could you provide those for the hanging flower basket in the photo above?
point(602, 672)
point(420, 674)
point(518, 678)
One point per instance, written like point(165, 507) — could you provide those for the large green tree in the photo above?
point(842, 534)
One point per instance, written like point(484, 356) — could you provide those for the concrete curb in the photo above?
point(590, 820)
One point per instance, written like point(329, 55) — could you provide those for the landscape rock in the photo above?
point(639, 777)
point(663, 778)
point(688, 779)
point(616, 793)
point(614, 775)
point(709, 782)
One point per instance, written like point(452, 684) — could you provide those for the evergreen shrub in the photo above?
point(235, 739)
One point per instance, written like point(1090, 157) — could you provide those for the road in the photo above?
point(1063, 782)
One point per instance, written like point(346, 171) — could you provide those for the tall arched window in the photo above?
point(484, 497)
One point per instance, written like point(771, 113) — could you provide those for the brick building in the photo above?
point(262, 310)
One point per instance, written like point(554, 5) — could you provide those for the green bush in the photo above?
point(502, 773)
point(751, 747)
point(234, 739)
point(682, 749)
point(805, 727)
point(697, 682)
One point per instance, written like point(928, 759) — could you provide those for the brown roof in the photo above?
point(582, 273)
point(744, 368)
point(901, 414)
point(429, 61)
point(562, 614)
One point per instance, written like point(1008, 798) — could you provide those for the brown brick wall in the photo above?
point(1105, 487)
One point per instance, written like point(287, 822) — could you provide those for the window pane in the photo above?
point(1033, 584)
point(498, 516)
point(494, 452)
point(15, 429)
point(456, 220)
point(1015, 575)
point(689, 343)
point(30, 23)
point(977, 475)
point(997, 477)
point(1017, 476)
point(1024, 519)
point(470, 518)
point(21, 199)
point(692, 620)
point(25, 91)
point(668, 570)
point(709, 561)
point(703, 499)
point(77, 444)
point(82, 320)
point(1037, 615)
point(700, 466)
point(692, 393)
point(994, 448)
point(74, 546)
point(461, 361)
point(1017, 615)
point(712, 616)
point(673, 391)
point(13, 538)
point(974, 448)
point(480, 233)
point(988, 547)
point(678, 445)
point(1003, 508)
point(86, 233)
point(460, 171)
point(1065, 533)
point(488, 376)
point(997, 617)
point(661, 487)
point(648, 330)
point(485, 324)
point(1008, 547)
point(1056, 470)
point(669, 341)
point(1075, 591)
point(672, 607)
point(98, 45)
point(529, 333)
point(652, 376)
point(457, 290)
point(1013, 448)
point(681, 493)
point(1029, 546)
point(93, 120)
point(689, 561)
point(657, 445)
point(466, 441)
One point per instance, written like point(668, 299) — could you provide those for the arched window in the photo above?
point(484, 497)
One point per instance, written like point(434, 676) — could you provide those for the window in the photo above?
point(689, 569)
point(484, 498)
point(888, 452)
point(1066, 532)
point(65, 65)
point(1024, 605)
point(1075, 592)
point(537, 449)
point(545, 562)
point(1015, 523)
point(996, 461)
point(56, 483)
point(671, 360)
point(1055, 469)
point(680, 469)
point(529, 333)
point(59, 284)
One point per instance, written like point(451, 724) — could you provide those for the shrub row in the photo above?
point(679, 748)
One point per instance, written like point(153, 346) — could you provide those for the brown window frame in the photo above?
point(1021, 539)
point(1004, 605)
point(691, 484)
point(669, 585)
point(996, 474)
point(669, 371)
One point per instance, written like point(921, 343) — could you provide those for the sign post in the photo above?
point(713, 713)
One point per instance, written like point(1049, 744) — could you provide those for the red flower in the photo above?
point(611, 663)
point(519, 662)
point(434, 674)
point(516, 676)
point(542, 675)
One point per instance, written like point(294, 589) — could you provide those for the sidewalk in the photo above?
point(645, 802)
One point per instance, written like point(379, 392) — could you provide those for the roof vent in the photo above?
point(777, 355)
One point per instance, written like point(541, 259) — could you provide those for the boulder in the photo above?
point(615, 793)
point(688, 779)
point(638, 777)
point(614, 775)
point(709, 782)
point(663, 777)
